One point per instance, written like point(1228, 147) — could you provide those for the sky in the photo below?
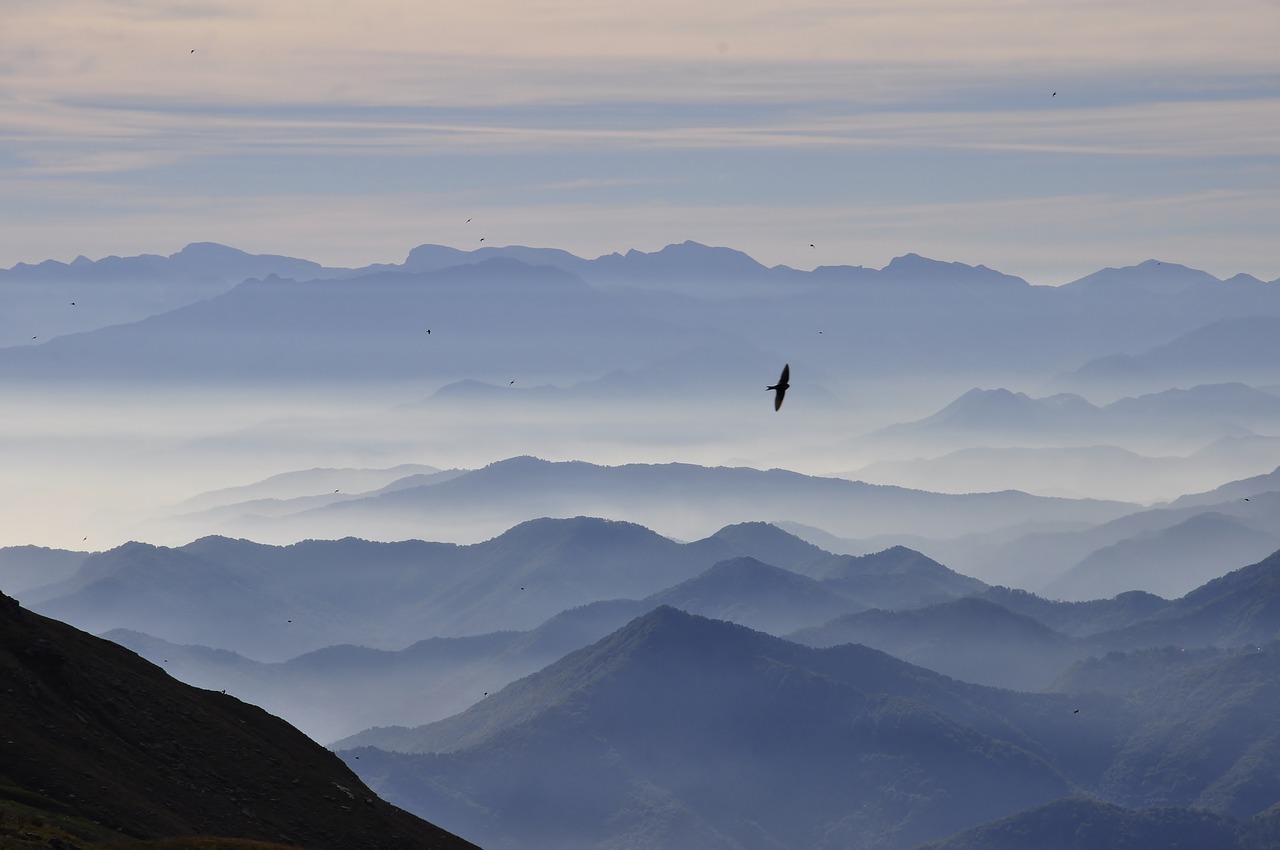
point(1046, 140)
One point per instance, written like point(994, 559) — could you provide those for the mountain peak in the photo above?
point(207, 250)
point(914, 268)
point(1150, 276)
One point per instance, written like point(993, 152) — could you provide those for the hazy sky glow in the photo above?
point(349, 133)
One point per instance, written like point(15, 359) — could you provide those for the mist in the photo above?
point(497, 501)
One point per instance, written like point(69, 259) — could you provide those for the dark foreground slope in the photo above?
point(112, 747)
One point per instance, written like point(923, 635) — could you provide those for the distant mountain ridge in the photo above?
point(730, 292)
point(275, 602)
point(682, 500)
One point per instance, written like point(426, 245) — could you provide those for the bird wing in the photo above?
point(777, 398)
point(786, 374)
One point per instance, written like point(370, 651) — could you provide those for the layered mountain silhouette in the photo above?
point(1243, 348)
point(273, 602)
point(669, 730)
point(971, 639)
point(679, 499)
point(52, 299)
point(365, 322)
point(100, 747)
point(677, 729)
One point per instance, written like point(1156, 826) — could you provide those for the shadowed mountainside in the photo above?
point(113, 746)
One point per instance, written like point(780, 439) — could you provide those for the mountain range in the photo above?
point(661, 727)
point(677, 729)
point(679, 499)
point(454, 359)
point(367, 321)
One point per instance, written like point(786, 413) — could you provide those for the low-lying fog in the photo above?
point(89, 468)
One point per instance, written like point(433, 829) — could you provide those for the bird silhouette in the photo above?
point(780, 388)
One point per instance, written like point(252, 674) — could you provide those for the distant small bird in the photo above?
point(335, 491)
point(511, 384)
point(811, 245)
point(1055, 94)
point(428, 331)
point(780, 388)
point(73, 303)
point(468, 221)
point(193, 50)
point(481, 238)
point(1246, 498)
point(1077, 711)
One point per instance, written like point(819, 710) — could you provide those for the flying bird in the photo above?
point(780, 388)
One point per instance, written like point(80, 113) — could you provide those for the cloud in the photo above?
point(788, 111)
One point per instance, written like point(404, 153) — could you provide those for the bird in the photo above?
point(428, 331)
point(811, 245)
point(511, 384)
point(1077, 711)
point(193, 50)
point(1055, 94)
point(780, 388)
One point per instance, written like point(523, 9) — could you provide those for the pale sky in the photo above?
point(348, 133)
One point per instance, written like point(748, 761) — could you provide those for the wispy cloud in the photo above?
point(666, 115)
